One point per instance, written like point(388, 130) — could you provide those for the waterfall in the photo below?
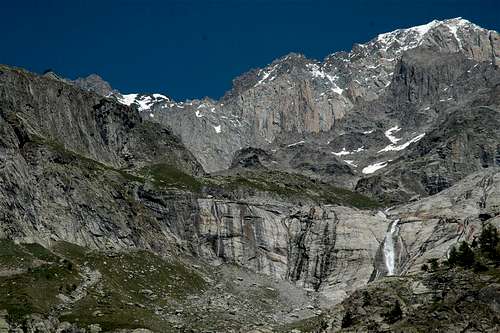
point(389, 248)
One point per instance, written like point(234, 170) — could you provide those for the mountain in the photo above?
point(341, 110)
point(312, 197)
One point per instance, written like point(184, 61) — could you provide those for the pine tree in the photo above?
point(465, 255)
point(488, 241)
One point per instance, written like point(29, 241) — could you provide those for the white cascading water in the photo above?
point(389, 248)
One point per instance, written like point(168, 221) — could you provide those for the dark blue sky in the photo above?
point(191, 49)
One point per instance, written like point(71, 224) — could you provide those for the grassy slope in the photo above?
point(37, 277)
point(122, 299)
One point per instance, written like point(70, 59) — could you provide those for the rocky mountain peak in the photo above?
point(95, 83)
point(404, 39)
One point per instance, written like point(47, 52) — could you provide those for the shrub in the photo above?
point(434, 264)
point(425, 267)
point(347, 320)
point(395, 314)
point(479, 267)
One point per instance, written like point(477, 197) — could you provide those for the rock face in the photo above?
point(325, 248)
point(460, 139)
point(430, 226)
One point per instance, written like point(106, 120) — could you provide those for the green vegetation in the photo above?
point(347, 320)
point(40, 253)
point(463, 257)
point(13, 256)
point(34, 285)
point(133, 284)
point(292, 186)
point(310, 325)
point(434, 264)
point(164, 175)
point(131, 287)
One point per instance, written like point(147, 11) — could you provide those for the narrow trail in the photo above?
point(89, 279)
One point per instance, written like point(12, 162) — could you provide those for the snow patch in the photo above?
point(345, 152)
point(144, 102)
point(127, 99)
point(454, 25)
point(318, 73)
point(393, 147)
point(266, 75)
point(405, 39)
point(218, 129)
point(390, 136)
point(160, 96)
point(374, 167)
point(296, 143)
point(351, 163)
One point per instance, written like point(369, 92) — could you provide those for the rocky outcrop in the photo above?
point(95, 83)
point(430, 226)
point(441, 301)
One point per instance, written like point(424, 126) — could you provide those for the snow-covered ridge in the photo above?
point(404, 39)
point(144, 102)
